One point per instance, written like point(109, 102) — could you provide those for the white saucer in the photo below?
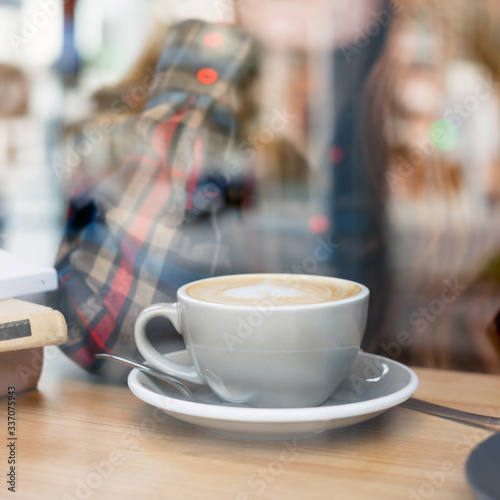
point(373, 385)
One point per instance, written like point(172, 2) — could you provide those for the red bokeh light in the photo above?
point(319, 223)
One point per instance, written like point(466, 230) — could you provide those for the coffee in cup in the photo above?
point(251, 290)
point(267, 340)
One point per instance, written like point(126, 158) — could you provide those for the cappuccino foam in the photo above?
point(278, 290)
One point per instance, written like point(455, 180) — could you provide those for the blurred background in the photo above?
point(376, 141)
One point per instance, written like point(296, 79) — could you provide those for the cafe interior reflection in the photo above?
point(370, 153)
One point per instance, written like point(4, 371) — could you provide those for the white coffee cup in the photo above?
point(266, 340)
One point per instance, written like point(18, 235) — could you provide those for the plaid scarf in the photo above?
point(154, 225)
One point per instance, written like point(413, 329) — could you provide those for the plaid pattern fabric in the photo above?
point(152, 226)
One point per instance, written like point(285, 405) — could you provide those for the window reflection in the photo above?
point(368, 131)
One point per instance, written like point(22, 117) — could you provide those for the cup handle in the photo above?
point(171, 312)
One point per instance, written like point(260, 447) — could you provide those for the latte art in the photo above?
point(272, 289)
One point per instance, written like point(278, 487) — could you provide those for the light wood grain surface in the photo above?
point(79, 438)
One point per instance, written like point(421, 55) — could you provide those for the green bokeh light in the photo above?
point(444, 135)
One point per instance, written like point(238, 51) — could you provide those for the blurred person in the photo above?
point(13, 91)
point(169, 206)
point(13, 105)
point(439, 109)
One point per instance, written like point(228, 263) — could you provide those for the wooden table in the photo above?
point(79, 438)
